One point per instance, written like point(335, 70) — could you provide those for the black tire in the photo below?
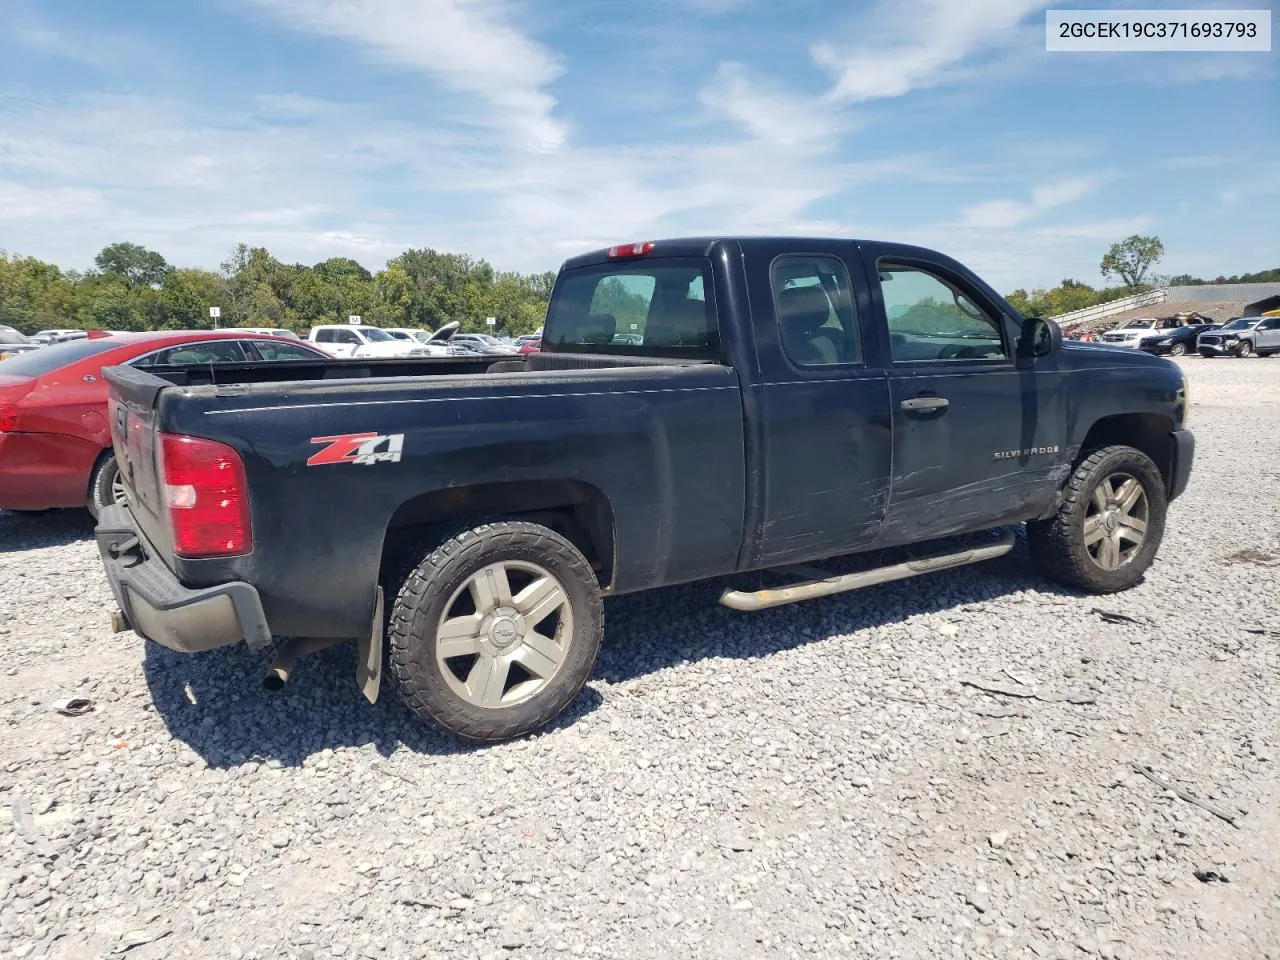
point(1244, 349)
point(101, 484)
point(1058, 544)
point(1178, 350)
point(437, 584)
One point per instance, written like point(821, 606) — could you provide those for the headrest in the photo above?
point(683, 323)
point(803, 309)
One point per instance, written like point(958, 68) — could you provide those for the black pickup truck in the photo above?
point(701, 408)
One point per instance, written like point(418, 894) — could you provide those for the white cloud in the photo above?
point(768, 113)
point(909, 44)
point(1002, 214)
point(470, 45)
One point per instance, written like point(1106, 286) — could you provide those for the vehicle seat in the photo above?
point(803, 313)
point(683, 324)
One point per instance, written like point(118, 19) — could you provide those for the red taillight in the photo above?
point(631, 249)
point(8, 419)
point(208, 500)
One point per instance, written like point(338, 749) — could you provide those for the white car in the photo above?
point(1133, 333)
point(267, 331)
point(357, 340)
point(437, 343)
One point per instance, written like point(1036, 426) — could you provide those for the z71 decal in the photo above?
point(359, 448)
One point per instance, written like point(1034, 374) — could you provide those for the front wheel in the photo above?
point(496, 630)
point(1107, 530)
point(1178, 350)
point(1244, 349)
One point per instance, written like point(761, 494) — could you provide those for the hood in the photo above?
point(444, 333)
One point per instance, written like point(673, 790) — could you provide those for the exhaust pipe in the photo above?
point(288, 655)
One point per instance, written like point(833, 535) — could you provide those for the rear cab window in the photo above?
point(658, 307)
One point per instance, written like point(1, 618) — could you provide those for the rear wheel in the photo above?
point(1109, 527)
point(495, 631)
point(106, 487)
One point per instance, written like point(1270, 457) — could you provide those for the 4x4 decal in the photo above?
point(359, 448)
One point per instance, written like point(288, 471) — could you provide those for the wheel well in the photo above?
point(1149, 432)
point(579, 512)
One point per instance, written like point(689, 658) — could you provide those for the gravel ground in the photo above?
point(813, 780)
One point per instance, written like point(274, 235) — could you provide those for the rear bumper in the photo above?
point(158, 607)
point(1184, 452)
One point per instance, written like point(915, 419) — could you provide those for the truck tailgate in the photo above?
point(131, 410)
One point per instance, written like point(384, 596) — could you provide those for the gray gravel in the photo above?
point(814, 780)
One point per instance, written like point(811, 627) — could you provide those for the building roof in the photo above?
point(1224, 292)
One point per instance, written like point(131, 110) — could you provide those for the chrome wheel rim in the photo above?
point(1115, 525)
point(504, 634)
point(118, 495)
point(1178, 349)
point(1245, 348)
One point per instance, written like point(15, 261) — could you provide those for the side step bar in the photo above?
point(809, 589)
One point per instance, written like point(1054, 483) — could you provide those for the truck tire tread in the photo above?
point(1057, 544)
point(412, 662)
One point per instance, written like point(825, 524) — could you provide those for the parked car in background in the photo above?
point(1262, 339)
point(1133, 333)
point(14, 342)
point(437, 344)
point(58, 336)
point(1176, 343)
point(1242, 337)
point(484, 343)
point(358, 340)
point(55, 442)
point(528, 345)
point(267, 331)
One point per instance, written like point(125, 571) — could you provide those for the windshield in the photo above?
point(376, 334)
point(1241, 323)
point(42, 361)
point(10, 335)
point(398, 335)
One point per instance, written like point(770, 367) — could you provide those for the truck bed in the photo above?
point(584, 430)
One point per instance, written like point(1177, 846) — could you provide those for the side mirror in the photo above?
point(1040, 337)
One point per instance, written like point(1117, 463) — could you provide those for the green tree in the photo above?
point(1132, 259)
point(185, 298)
point(137, 265)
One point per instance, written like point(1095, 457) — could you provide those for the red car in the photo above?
point(55, 446)
point(530, 346)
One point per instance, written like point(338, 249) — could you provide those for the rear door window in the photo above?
point(211, 351)
point(817, 321)
point(643, 308)
point(277, 350)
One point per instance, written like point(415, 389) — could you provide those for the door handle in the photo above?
point(925, 404)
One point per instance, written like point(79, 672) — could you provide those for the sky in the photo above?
point(525, 131)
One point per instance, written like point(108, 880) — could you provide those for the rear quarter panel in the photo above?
point(664, 445)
